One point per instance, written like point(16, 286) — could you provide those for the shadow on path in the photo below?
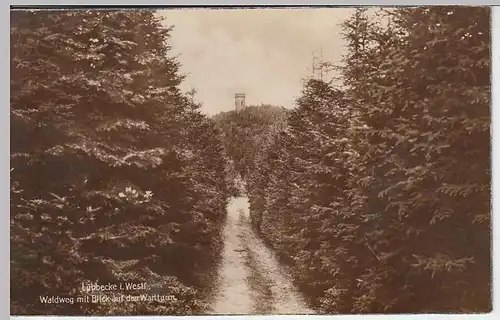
point(251, 281)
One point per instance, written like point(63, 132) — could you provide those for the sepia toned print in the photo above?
point(250, 161)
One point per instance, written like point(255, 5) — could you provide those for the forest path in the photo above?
point(251, 279)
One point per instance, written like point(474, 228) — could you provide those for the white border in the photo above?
point(5, 185)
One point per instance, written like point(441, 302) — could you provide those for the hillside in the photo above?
point(245, 133)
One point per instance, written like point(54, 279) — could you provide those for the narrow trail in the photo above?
point(251, 279)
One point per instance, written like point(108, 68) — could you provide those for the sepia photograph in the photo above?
point(250, 161)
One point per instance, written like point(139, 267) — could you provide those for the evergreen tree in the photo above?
point(378, 194)
point(111, 163)
point(425, 216)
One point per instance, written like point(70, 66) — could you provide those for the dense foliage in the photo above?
point(244, 133)
point(116, 176)
point(378, 193)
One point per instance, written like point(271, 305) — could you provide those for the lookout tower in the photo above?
point(239, 101)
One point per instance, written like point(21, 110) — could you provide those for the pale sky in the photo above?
point(261, 52)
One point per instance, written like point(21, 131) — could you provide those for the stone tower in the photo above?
point(239, 101)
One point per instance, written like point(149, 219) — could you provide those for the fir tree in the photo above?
point(112, 164)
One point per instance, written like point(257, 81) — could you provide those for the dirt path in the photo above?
point(251, 279)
